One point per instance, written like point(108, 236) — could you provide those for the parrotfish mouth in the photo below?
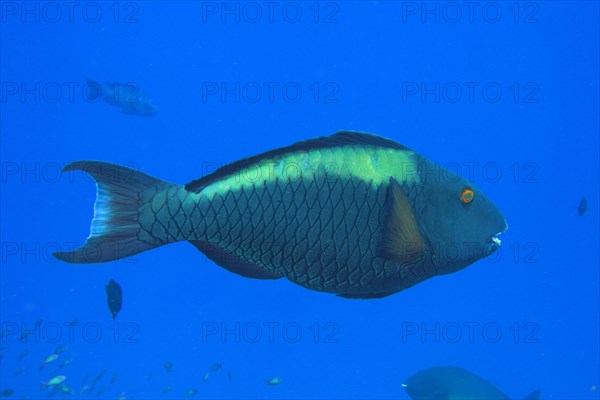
point(495, 239)
point(491, 245)
point(494, 242)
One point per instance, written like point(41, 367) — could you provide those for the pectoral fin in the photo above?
point(231, 262)
point(401, 239)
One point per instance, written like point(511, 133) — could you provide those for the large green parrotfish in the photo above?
point(352, 213)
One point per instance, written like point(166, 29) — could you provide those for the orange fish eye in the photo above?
point(467, 195)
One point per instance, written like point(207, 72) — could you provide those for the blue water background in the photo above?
point(355, 63)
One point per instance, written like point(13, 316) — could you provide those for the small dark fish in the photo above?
point(216, 367)
point(230, 376)
point(167, 389)
point(7, 393)
point(97, 378)
point(168, 366)
point(583, 206)
point(453, 383)
point(61, 349)
point(62, 388)
point(23, 354)
point(51, 358)
point(65, 363)
point(127, 96)
point(114, 295)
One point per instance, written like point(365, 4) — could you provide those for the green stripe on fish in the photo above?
point(352, 213)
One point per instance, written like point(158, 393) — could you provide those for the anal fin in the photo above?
point(365, 296)
point(232, 262)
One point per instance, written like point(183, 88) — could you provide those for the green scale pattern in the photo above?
point(321, 233)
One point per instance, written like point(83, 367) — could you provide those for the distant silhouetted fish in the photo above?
point(127, 96)
point(453, 383)
point(583, 206)
point(114, 296)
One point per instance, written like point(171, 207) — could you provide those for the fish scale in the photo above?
point(311, 249)
point(242, 222)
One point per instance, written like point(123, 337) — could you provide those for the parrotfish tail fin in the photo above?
point(533, 396)
point(115, 229)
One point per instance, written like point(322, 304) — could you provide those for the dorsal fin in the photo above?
point(338, 139)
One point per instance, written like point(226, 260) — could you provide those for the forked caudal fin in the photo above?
point(115, 226)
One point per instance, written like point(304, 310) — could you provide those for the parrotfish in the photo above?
point(452, 383)
point(127, 96)
point(353, 214)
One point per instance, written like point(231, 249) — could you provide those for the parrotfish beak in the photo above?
point(494, 242)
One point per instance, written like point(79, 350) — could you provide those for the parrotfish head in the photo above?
point(429, 384)
point(460, 223)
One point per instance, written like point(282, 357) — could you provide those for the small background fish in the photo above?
point(583, 206)
point(126, 96)
point(114, 297)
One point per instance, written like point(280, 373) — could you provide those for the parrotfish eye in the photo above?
point(467, 195)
